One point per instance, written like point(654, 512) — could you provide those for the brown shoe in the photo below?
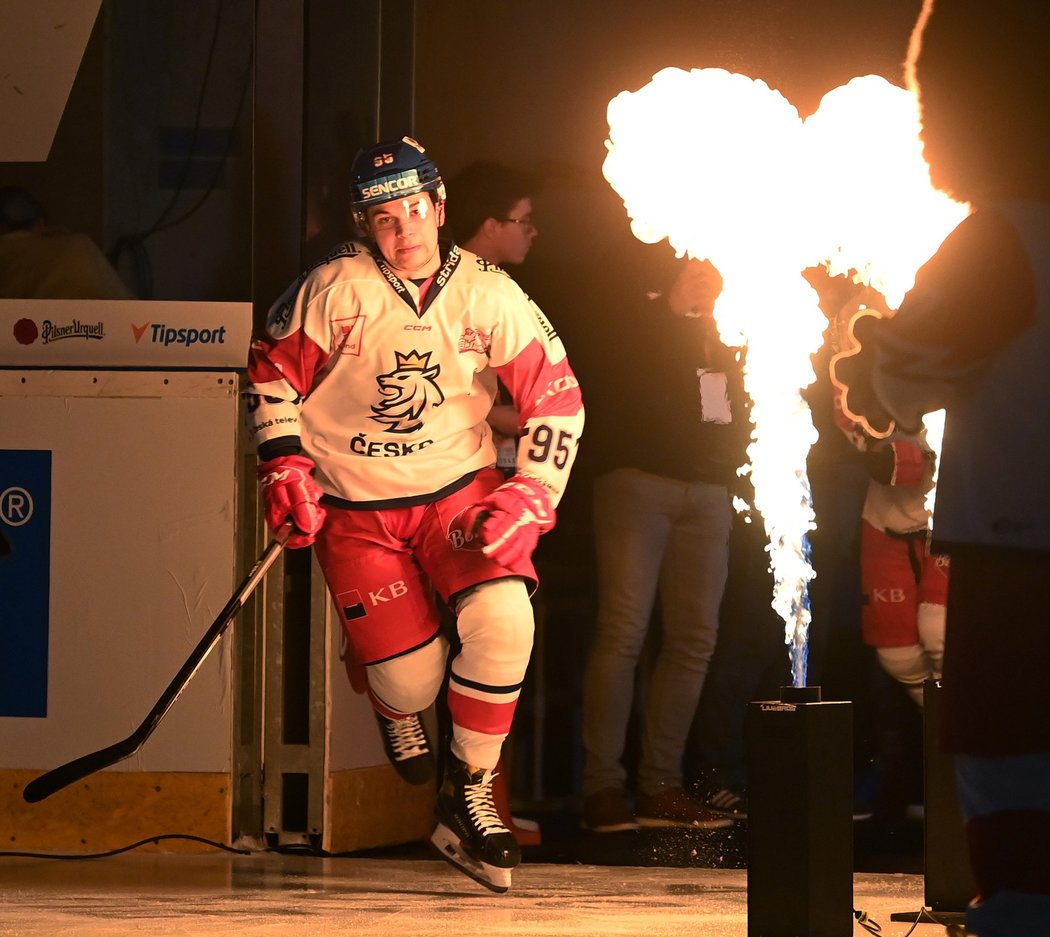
point(675, 807)
point(607, 811)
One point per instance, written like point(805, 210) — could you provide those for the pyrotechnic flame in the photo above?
point(882, 217)
point(724, 168)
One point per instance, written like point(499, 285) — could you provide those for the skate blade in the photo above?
point(657, 823)
point(448, 846)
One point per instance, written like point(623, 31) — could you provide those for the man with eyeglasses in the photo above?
point(491, 216)
point(369, 415)
point(491, 212)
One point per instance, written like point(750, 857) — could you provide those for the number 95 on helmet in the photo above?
point(392, 170)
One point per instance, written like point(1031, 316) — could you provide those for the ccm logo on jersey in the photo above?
point(354, 606)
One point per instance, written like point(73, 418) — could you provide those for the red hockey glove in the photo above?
point(510, 520)
point(289, 491)
point(899, 463)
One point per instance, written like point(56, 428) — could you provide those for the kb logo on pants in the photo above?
point(355, 607)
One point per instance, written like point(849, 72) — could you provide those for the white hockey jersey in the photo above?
point(380, 382)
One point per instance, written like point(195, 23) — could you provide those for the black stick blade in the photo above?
point(72, 771)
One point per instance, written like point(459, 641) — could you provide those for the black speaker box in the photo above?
point(800, 817)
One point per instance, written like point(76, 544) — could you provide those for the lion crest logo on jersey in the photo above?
point(407, 392)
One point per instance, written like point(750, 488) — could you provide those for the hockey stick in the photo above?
point(64, 775)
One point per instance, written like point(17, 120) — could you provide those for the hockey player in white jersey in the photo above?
point(368, 414)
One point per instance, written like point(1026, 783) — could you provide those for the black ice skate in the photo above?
point(469, 833)
point(407, 747)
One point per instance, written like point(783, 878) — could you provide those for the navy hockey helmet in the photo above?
point(389, 171)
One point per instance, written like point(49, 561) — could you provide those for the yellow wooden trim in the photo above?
point(372, 807)
point(113, 809)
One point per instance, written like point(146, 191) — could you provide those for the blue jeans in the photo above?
point(751, 663)
point(651, 533)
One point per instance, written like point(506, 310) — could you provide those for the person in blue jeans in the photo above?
point(665, 456)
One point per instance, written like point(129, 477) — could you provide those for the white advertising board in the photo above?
point(140, 334)
point(133, 476)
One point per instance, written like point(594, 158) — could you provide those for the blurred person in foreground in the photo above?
point(973, 337)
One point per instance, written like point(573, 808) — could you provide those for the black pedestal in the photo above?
point(800, 816)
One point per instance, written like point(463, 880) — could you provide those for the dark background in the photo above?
point(529, 83)
point(193, 128)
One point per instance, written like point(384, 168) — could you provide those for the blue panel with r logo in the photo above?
point(25, 580)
